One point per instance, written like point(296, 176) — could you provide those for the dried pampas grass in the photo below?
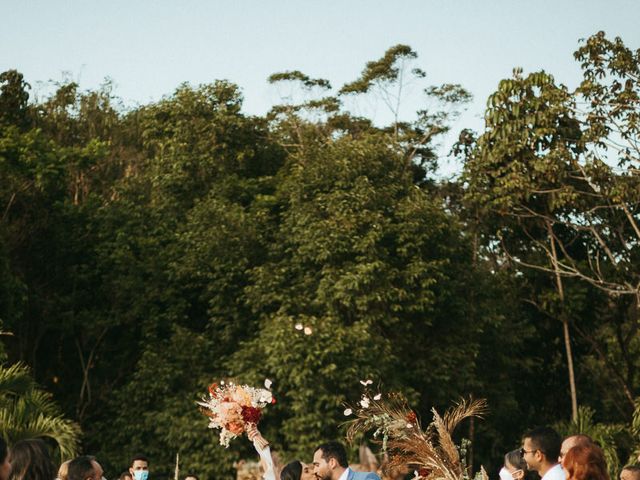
point(430, 451)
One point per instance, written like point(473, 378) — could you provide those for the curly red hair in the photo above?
point(585, 463)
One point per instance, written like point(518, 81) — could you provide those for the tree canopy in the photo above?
point(147, 251)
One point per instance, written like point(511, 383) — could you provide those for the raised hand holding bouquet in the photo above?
point(234, 409)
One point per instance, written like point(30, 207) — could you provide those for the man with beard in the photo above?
point(330, 463)
point(541, 449)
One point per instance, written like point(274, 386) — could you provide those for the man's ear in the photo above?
point(333, 463)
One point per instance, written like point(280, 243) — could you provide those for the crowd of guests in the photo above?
point(544, 455)
point(31, 460)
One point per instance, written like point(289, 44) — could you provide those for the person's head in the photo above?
point(578, 440)
point(85, 467)
point(297, 470)
point(63, 470)
point(515, 464)
point(30, 460)
point(139, 467)
point(540, 449)
point(329, 461)
point(585, 463)
point(630, 472)
point(125, 476)
point(5, 465)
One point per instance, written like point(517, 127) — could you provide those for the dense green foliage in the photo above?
point(146, 252)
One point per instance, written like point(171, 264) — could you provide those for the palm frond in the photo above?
point(15, 380)
point(445, 441)
point(420, 453)
point(464, 409)
point(27, 411)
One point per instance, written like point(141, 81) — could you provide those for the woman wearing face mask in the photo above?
point(30, 460)
point(515, 468)
point(295, 470)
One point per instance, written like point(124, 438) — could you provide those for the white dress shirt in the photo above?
point(555, 473)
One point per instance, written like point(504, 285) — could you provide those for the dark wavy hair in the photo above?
point(30, 460)
point(585, 463)
point(291, 471)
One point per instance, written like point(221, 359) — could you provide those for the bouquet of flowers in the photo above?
point(234, 408)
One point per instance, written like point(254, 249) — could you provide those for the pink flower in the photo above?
point(235, 427)
point(230, 412)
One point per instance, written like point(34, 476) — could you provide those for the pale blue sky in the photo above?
point(148, 47)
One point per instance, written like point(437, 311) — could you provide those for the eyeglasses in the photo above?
point(523, 451)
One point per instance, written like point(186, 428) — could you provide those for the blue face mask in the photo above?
point(141, 474)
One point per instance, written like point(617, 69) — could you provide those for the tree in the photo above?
point(371, 268)
point(388, 78)
point(14, 99)
point(522, 170)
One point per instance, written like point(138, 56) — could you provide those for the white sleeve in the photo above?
point(265, 456)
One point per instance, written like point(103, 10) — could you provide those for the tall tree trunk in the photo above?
point(565, 325)
point(572, 378)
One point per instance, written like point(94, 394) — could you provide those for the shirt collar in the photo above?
point(345, 474)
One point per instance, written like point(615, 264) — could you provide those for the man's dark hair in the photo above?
point(547, 440)
point(140, 457)
point(81, 468)
point(30, 460)
point(632, 468)
point(334, 450)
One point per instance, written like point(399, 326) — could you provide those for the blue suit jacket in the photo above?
point(362, 475)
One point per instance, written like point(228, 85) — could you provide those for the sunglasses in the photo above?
point(523, 451)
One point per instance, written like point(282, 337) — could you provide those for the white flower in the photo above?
point(378, 396)
point(409, 425)
point(308, 331)
point(267, 383)
point(364, 402)
point(348, 412)
point(366, 382)
point(266, 398)
point(299, 326)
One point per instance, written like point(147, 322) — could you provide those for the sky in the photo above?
point(149, 47)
